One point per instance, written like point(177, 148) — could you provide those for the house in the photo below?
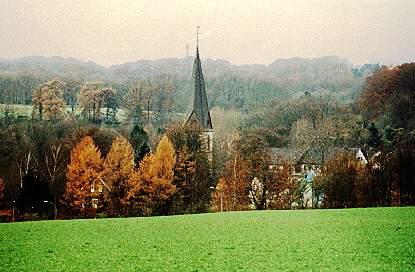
point(307, 164)
point(311, 158)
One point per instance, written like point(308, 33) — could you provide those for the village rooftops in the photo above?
point(312, 156)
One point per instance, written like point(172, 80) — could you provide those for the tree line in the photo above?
point(228, 87)
point(42, 154)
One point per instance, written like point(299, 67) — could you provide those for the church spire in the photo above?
point(200, 112)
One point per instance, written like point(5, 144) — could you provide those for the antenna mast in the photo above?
point(197, 36)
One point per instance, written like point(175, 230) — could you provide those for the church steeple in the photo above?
point(200, 112)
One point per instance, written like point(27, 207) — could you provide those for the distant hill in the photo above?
point(51, 67)
point(228, 85)
point(180, 67)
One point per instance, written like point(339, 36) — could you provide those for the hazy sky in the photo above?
point(111, 32)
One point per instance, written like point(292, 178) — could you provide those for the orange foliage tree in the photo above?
point(84, 185)
point(269, 188)
point(153, 186)
point(232, 190)
point(390, 93)
point(283, 190)
point(117, 169)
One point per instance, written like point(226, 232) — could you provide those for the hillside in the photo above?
point(228, 86)
point(377, 239)
point(179, 67)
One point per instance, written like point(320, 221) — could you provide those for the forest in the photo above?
point(95, 141)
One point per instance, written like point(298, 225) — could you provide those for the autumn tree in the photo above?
point(156, 177)
point(156, 95)
point(70, 93)
point(47, 100)
point(84, 183)
point(132, 102)
point(92, 98)
point(267, 185)
point(376, 186)
point(302, 134)
point(117, 169)
point(232, 190)
point(321, 135)
point(135, 200)
point(137, 99)
point(339, 180)
point(389, 95)
point(283, 190)
point(87, 99)
point(140, 96)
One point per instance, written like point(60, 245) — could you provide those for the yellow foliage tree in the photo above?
point(153, 186)
point(84, 186)
point(164, 159)
point(117, 170)
point(47, 100)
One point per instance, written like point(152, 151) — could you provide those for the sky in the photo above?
point(242, 32)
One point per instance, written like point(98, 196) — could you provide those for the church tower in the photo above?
point(200, 112)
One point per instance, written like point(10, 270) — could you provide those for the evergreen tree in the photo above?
point(139, 141)
point(374, 139)
point(194, 191)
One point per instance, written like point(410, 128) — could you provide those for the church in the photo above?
point(199, 113)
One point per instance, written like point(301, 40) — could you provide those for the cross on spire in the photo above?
point(197, 36)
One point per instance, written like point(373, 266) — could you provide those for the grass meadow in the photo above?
point(26, 110)
point(375, 239)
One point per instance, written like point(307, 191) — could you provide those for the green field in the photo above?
point(26, 110)
point(379, 239)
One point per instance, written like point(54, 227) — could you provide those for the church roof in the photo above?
point(200, 112)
